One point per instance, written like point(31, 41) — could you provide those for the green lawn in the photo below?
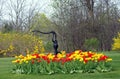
point(6, 66)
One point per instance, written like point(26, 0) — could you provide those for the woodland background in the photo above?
point(79, 24)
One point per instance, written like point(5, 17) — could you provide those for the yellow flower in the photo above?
point(51, 56)
point(21, 56)
point(60, 55)
point(20, 62)
point(16, 56)
point(41, 54)
point(29, 58)
point(77, 57)
point(77, 51)
point(88, 58)
point(42, 49)
point(81, 59)
point(63, 52)
point(11, 47)
point(26, 61)
point(72, 56)
point(33, 56)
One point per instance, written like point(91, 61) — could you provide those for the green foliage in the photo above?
point(12, 44)
point(57, 67)
point(116, 44)
point(41, 22)
point(7, 28)
point(91, 44)
point(48, 46)
point(103, 67)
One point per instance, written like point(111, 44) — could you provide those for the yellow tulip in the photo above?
point(60, 55)
point(81, 59)
point(26, 61)
point(77, 51)
point(63, 52)
point(51, 56)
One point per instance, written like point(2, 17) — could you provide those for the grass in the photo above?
point(6, 67)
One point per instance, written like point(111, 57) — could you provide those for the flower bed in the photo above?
point(74, 62)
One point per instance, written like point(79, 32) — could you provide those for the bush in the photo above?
point(48, 46)
point(12, 44)
point(116, 44)
point(91, 44)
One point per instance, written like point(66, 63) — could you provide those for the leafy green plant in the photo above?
point(91, 44)
point(103, 67)
point(48, 46)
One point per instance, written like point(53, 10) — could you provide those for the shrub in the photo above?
point(91, 44)
point(12, 44)
point(48, 46)
point(116, 44)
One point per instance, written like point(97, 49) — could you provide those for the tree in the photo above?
point(21, 13)
point(16, 13)
point(2, 2)
point(7, 27)
point(78, 20)
point(41, 22)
